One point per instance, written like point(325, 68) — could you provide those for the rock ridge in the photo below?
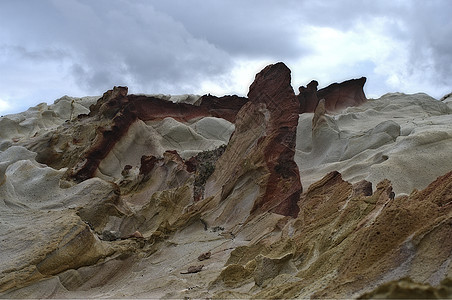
point(133, 196)
point(337, 95)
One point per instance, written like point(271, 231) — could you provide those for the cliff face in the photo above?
point(129, 196)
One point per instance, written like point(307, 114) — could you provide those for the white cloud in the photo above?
point(237, 80)
point(366, 48)
point(4, 106)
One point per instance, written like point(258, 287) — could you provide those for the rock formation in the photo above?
point(263, 145)
point(308, 97)
point(124, 110)
point(123, 195)
point(337, 95)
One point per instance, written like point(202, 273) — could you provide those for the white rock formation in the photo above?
point(397, 136)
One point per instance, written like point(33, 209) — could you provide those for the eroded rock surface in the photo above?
point(122, 196)
point(391, 137)
point(265, 176)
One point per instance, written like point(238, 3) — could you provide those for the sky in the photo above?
point(52, 48)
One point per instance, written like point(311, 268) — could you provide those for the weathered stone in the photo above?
point(337, 95)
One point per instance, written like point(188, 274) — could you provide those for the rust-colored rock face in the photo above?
point(273, 89)
point(308, 97)
point(225, 107)
point(260, 153)
point(337, 95)
point(345, 94)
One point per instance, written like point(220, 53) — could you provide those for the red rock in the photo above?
point(150, 108)
point(337, 95)
point(225, 107)
point(342, 95)
point(261, 150)
point(110, 102)
point(272, 87)
point(147, 163)
point(308, 97)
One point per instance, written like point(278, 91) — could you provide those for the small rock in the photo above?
point(362, 188)
point(137, 234)
point(204, 256)
point(193, 269)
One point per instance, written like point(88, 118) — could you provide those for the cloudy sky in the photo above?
point(51, 48)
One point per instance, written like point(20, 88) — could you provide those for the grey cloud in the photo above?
point(172, 46)
point(431, 33)
point(246, 28)
point(119, 42)
point(424, 26)
point(152, 50)
point(20, 52)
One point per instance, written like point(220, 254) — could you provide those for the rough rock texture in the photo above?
point(405, 288)
point(41, 118)
point(120, 129)
point(337, 95)
point(391, 137)
point(263, 147)
point(217, 180)
point(124, 110)
point(342, 244)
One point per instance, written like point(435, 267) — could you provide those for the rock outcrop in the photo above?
point(337, 95)
point(263, 147)
point(124, 110)
point(343, 243)
point(308, 97)
point(89, 145)
point(124, 195)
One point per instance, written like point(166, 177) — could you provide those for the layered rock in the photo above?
point(345, 243)
point(41, 118)
point(124, 110)
point(217, 180)
point(337, 95)
point(264, 176)
point(405, 288)
point(132, 126)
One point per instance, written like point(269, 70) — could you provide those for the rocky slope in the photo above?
point(325, 194)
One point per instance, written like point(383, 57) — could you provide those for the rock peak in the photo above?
point(274, 75)
point(263, 147)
